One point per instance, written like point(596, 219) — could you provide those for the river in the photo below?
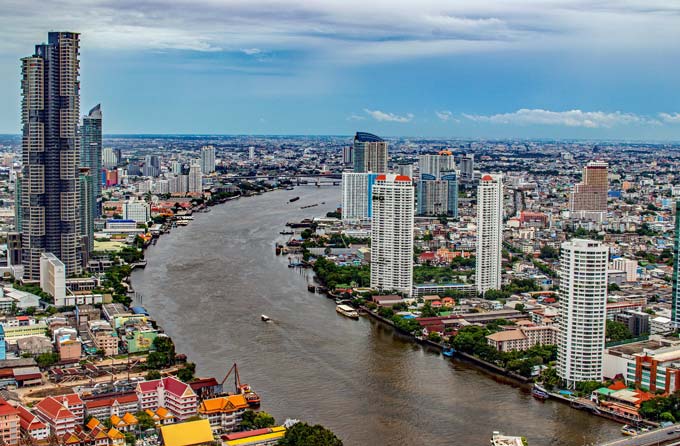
point(208, 283)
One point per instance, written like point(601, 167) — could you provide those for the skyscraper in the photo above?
point(392, 234)
point(583, 313)
point(489, 232)
point(152, 166)
point(87, 207)
point(195, 179)
point(91, 154)
point(438, 185)
point(357, 191)
point(432, 166)
point(370, 153)
point(590, 195)
point(207, 159)
point(467, 167)
point(50, 146)
point(675, 308)
point(347, 155)
point(109, 158)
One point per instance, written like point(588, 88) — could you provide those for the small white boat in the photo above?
point(265, 318)
point(347, 311)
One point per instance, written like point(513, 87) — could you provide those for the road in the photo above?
point(667, 436)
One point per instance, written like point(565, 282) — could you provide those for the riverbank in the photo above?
point(208, 284)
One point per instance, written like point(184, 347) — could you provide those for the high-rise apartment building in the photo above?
point(675, 308)
point(438, 185)
point(176, 167)
point(432, 166)
point(207, 159)
point(87, 207)
point(195, 179)
point(50, 146)
point(347, 153)
point(137, 210)
point(369, 153)
point(405, 169)
point(583, 312)
point(357, 191)
point(467, 167)
point(590, 195)
point(18, 193)
point(152, 166)
point(109, 158)
point(392, 234)
point(489, 232)
point(91, 154)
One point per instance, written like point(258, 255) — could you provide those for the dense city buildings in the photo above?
point(438, 185)
point(369, 153)
point(489, 232)
point(392, 234)
point(50, 113)
point(583, 300)
point(675, 303)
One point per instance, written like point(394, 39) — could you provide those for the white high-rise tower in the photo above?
point(489, 232)
point(207, 159)
point(392, 234)
point(583, 311)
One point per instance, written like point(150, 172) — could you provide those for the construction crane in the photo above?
point(252, 398)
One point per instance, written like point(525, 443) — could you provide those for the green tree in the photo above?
point(616, 331)
point(302, 434)
point(153, 374)
point(256, 420)
point(45, 360)
point(145, 420)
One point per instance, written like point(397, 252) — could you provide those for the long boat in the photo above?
point(347, 311)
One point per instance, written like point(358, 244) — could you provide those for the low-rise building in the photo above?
point(56, 415)
point(224, 413)
point(169, 392)
point(9, 424)
point(522, 338)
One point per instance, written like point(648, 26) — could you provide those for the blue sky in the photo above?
point(498, 68)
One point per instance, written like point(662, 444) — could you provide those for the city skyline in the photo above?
point(563, 70)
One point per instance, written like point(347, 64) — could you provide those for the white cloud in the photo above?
point(446, 116)
point(670, 118)
point(382, 116)
point(332, 29)
point(355, 117)
point(570, 118)
point(251, 51)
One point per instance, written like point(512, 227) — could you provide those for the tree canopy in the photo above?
point(302, 434)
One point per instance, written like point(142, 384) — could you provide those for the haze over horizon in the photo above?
point(530, 69)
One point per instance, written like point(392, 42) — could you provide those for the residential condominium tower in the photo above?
point(370, 153)
point(207, 159)
point(91, 154)
point(590, 195)
point(675, 309)
point(583, 312)
point(489, 232)
point(392, 234)
point(357, 191)
point(50, 149)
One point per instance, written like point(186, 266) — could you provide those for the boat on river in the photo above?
point(293, 199)
point(347, 311)
point(265, 318)
point(449, 352)
point(539, 393)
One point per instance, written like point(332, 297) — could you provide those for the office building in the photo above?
point(152, 166)
point(109, 158)
point(590, 195)
point(357, 191)
point(87, 208)
point(136, 210)
point(675, 305)
point(392, 234)
point(195, 179)
point(369, 153)
point(207, 159)
point(50, 146)
point(489, 232)
point(91, 154)
point(53, 278)
point(582, 313)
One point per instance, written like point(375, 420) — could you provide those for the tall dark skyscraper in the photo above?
point(91, 154)
point(370, 153)
point(87, 205)
point(49, 113)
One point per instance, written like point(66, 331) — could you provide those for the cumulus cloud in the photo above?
point(670, 118)
point(570, 118)
point(382, 116)
point(251, 51)
point(446, 116)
